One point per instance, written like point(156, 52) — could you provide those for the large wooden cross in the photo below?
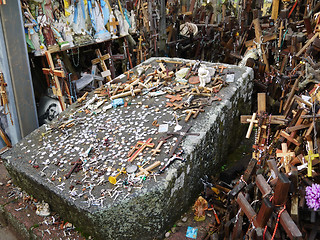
point(55, 74)
point(106, 73)
point(141, 148)
point(139, 51)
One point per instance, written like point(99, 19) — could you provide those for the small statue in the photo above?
point(123, 24)
point(45, 29)
point(101, 32)
point(204, 76)
point(133, 28)
point(199, 209)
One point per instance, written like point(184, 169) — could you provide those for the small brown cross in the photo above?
point(222, 68)
point(145, 171)
point(101, 59)
point(174, 97)
point(177, 106)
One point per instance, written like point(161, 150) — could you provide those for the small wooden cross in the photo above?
point(114, 23)
point(142, 147)
point(190, 112)
point(289, 138)
point(252, 121)
point(177, 106)
point(106, 73)
point(160, 143)
point(198, 110)
point(222, 68)
point(285, 155)
point(55, 74)
point(145, 171)
point(174, 97)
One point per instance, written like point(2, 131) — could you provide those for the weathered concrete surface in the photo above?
point(147, 212)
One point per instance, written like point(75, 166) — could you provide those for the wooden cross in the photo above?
point(222, 68)
point(160, 143)
point(190, 112)
point(280, 34)
point(285, 155)
point(139, 50)
point(174, 98)
point(198, 110)
point(55, 74)
point(177, 106)
point(114, 24)
point(252, 121)
point(142, 147)
point(289, 138)
point(106, 73)
point(145, 171)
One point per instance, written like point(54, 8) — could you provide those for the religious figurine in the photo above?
point(67, 34)
point(79, 22)
point(99, 22)
point(32, 29)
point(48, 11)
point(199, 209)
point(133, 23)
point(45, 29)
point(123, 24)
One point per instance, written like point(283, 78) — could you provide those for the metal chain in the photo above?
point(76, 64)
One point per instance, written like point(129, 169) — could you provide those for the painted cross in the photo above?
point(55, 74)
point(106, 73)
point(222, 68)
point(113, 24)
point(141, 148)
point(285, 155)
point(311, 156)
point(174, 98)
point(198, 110)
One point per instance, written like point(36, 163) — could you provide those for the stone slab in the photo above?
point(147, 209)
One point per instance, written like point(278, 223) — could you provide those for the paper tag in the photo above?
point(230, 78)
point(106, 73)
point(163, 128)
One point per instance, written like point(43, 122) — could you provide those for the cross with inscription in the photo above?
point(106, 73)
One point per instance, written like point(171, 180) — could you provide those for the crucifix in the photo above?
point(55, 74)
point(113, 25)
point(106, 73)
point(190, 112)
point(285, 155)
point(182, 134)
point(141, 148)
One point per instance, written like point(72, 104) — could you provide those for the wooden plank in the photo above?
point(275, 119)
point(307, 44)
point(262, 103)
point(265, 212)
point(267, 38)
point(289, 226)
point(281, 190)
point(275, 9)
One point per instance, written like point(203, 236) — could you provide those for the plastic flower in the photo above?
point(313, 196)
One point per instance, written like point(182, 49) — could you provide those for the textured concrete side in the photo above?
point(149, 212)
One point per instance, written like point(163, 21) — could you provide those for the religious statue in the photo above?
point(99, 21)
point(123, 24)
point(199, 209)
point(79, 15)
point(45, 29)
point(133, 23)
point(32, 29)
